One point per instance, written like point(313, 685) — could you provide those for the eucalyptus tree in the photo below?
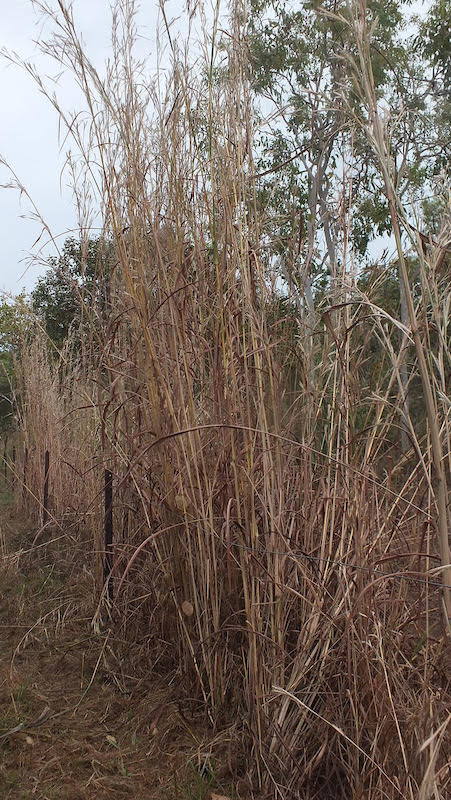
point(298, 66)
point(74, 291)
point(318, 178)
point(361, 93)
point(316, 173)
point(312, 138)
point(15, 326)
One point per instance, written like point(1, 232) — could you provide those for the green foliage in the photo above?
point(435, 41)
point(75, 288)
point(433, 209)
point(301, 56)
point(73, 293)
point(15, 325)
point(301, 60)
point(433, 44)
point(372, 214)
point(14, 322)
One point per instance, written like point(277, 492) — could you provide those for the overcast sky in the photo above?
point(29, 125)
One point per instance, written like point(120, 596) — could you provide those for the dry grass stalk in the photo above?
point(256, 512)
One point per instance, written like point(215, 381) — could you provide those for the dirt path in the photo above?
point(75, 721)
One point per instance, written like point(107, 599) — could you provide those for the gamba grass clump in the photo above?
point(272, 547)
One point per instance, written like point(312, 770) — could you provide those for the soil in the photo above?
point(76, 721)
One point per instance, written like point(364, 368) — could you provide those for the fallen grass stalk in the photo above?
point(255, 448)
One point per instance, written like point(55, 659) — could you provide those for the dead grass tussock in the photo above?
point(252, 455)
point(75, 719)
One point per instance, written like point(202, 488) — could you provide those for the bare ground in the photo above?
point(75, 720)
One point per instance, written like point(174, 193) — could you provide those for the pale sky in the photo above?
point(29, 125)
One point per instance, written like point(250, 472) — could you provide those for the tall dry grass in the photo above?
point(273, 547)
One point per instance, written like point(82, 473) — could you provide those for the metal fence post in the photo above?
point(45, 502)
point(108, 562)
